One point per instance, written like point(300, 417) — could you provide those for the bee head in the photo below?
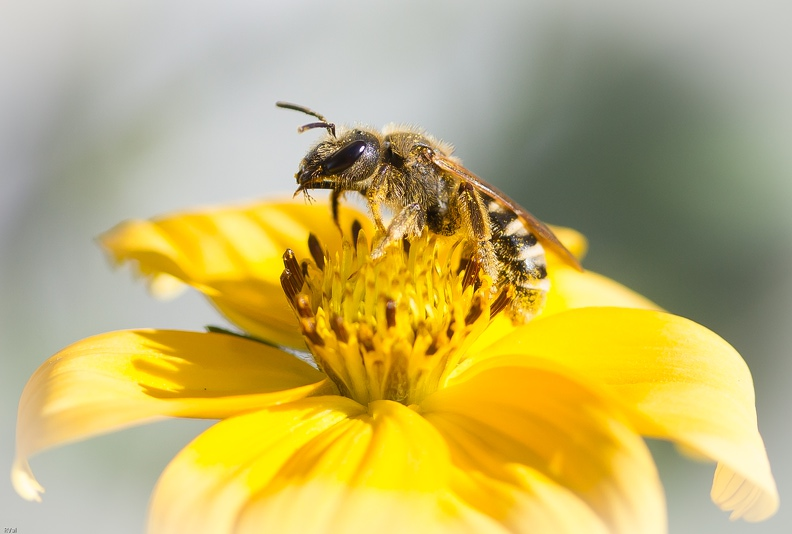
point(343, 163)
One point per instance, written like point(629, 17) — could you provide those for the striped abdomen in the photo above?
point(521, 260)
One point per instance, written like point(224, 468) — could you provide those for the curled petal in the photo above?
point(541, 452)
point(232, 255)
point(681, 381)
point(120, 379)
point(574, 241)
point(573, 289)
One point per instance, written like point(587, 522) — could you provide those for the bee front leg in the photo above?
point(375, 196)
point(377, 215)
point(335, 197)
point(410, 221)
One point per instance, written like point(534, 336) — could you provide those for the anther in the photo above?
point(337, 324)
point(356, 228)
point(406, 246)
point(432, 348)
point(463, 263)
point(288, 285)
point(503, 299)
point(308, 327)
point(390, 313)
point(317, 253)
point(366, 337)
point(476, 308)
point(472, 269)
point(291, 265)
point(303, 306)
point(450, 329)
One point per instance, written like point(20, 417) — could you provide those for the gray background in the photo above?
point(659, 129)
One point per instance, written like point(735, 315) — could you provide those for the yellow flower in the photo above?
point(425, 409)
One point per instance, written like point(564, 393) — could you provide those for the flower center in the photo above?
point(393, 327)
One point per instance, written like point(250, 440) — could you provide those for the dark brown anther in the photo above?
point(406, 246)
point(476, 308)
point(432, 348)
point(291, 265)
point(472, 270)
point(303, 306)
point(308, 327)
point(450, 329)
point(356, 229)
point(287, 283)
point(337, 324)
point(366, 337)
point(463, 263)
point(390, 313)
point(304, 268)
point(501, 301)
point(317, 252)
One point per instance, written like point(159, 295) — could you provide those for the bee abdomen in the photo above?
point(521, 261)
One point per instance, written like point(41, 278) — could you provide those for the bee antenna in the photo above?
point(329, 126)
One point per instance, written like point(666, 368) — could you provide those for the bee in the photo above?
point(416, 177)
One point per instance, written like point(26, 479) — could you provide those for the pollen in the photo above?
point(393, 327)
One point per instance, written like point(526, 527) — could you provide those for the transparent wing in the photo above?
point(542, 232)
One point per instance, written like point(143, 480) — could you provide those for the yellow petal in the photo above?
point(232, 255)
point(574, 289)
point(570, 289)
point(684, 383)
point(119, 379)
point(324, 464)
point(541, 452)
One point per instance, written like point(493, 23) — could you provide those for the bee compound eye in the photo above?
point(344, 158)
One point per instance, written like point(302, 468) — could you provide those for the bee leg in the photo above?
point(408, 222)
point(474, 212)
point(485, 254)
point(375, 195)
point(335, 196)
point(476, 218)
point(375, 213)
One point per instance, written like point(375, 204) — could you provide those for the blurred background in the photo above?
point(659, 129)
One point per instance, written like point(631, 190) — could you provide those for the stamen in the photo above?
point(393, 327)
point(472, 270)
point(317, 253)
point(356, 228)
point(291, 265)
point(450, 329)
point(475, 310)
point(503, 299)
point(390, 313)
point(366, 337)
point(432, 348)
point(337, 324)
point(291, 278)
point(308, 328)
point(303, 307)
point(287, 283)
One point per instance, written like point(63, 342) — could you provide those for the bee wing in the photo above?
point(542, 232)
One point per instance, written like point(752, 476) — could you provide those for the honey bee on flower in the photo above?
point(417, 177)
